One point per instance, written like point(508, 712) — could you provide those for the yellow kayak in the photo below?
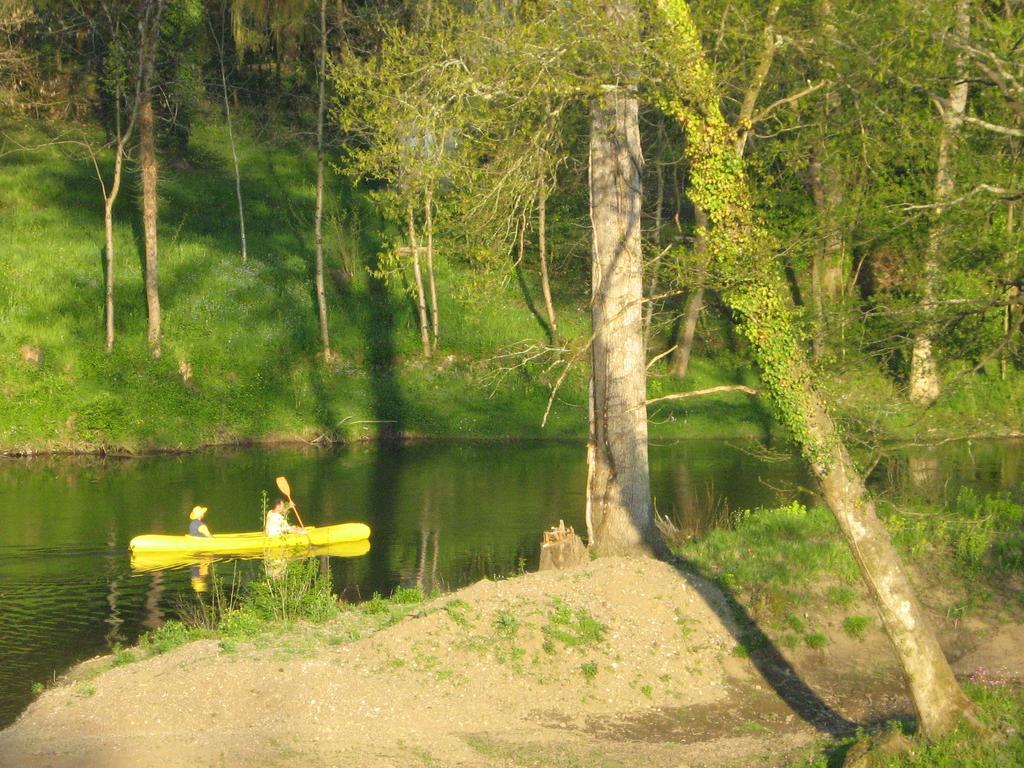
point(144, 560)
point(251, 542)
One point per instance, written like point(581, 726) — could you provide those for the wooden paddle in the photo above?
point(282, 483)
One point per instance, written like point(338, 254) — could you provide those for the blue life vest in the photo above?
point(194, 526)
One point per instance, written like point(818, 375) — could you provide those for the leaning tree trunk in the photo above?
point(925, 384)
point(318, 216)
point(752, 288)
point(620, 517)
point(148, 167)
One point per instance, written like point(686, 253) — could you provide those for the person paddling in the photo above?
point(198, 526)
point(277, 520)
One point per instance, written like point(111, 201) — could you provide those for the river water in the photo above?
point(442, 516)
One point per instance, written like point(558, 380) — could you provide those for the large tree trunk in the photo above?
point(753, 289)
point(148, 168)
point(318, 217)
point(620, 517)
point(925, 384)
point(545, 284)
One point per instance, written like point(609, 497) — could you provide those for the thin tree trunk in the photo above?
point(754, 291)
point(421, 303)
point(652, 288)
point(148, 167)
point(925, 384)
point(818, 257)
point(545, 284)
point(764, 65)
point(428, 225)
point(620, 516)
point(318, 216)
point(694, 305)
point(231, 141)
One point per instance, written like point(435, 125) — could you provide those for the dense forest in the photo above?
point(241, 220)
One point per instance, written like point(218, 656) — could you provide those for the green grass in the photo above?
point(249, 332)
point(1001, 708)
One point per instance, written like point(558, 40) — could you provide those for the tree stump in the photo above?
point(561, 548)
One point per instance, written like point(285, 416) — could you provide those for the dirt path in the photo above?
point(619, 663)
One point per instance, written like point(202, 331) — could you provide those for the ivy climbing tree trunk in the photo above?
point(620, 518)
point(925, 384)
point(751, 286)
point(148, 167)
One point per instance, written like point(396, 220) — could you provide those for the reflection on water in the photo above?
point(442, 516)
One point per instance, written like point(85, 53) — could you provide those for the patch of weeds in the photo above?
point(38, 688)
point(815, 640)
point(375, 605)
point(85, 690)
point(456, 610)
point(407, 596)
point(121, 656)
point(589, 670)
point(241, 623)
point(789, 641)
point(647, 690)
point(752, 727)
point(168, 636)
point(573, 628)
point(841, 596)
point(444, 674)
point(506, 624)
point(685, 624)
point(856, 626)
point(741, 651)
point(795, 623)
point(227, 645)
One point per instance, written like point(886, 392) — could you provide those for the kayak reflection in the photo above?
point(148, 561)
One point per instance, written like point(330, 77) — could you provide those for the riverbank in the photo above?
point(241, 363)
point(622, 662)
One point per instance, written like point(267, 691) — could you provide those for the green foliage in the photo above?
point(168, 636)
point(856, 626)
point(507, 624)
point(573, 628)
point(298, 591)
point(589, 670)
point(984, 536)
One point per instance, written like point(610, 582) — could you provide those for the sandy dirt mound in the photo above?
point(621, 662)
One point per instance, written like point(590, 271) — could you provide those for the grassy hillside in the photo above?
point(248, 333)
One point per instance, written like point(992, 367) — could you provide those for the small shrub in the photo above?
point(589, 670)
point(816, 640)
point(375, 605)
point(507, 624)
point(121, 655)
point(38, 688)
point(456, 611)
point(169, 636)
point(856, 626)
point(841, 596)
point(647, 690)
point(407, 596)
